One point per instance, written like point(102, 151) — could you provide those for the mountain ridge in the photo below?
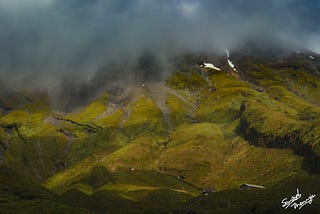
point(201, 128)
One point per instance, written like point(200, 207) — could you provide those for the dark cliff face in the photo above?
point(291, 140)
point(285, 78)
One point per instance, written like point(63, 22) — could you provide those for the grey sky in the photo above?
point(49, 38)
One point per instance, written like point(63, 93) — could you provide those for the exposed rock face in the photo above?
point(291, 140)
point(91, 129)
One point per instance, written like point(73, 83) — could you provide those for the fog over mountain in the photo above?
point(47, 40)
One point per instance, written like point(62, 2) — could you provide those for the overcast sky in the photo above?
point(53, 37)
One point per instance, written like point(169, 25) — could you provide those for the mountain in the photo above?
point(155, 145)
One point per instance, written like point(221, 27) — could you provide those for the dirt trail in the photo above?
point(194, 108)
point(121, 100)
point(110, 109)
point(159, 93)
point(195, 105)
point(124, 118)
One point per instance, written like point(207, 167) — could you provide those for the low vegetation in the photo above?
point(259, 126)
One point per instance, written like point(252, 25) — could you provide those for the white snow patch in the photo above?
point(229, 61)
point(232, 65)
point(209, 65)
point(311, 57)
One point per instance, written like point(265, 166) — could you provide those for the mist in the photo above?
point(43, 42)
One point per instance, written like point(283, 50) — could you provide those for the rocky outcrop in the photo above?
point(291, 140)
point(13, 127)
point(91, 129)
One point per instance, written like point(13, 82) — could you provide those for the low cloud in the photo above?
point(42, 41)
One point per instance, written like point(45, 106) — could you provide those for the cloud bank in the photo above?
point(48, 39)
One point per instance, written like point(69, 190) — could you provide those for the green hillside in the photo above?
point(155, 147)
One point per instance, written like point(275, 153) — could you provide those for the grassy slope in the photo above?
point(21, 195)
point(39, 145)
point(294, 108)
point(205, 146)
point(209, 153)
